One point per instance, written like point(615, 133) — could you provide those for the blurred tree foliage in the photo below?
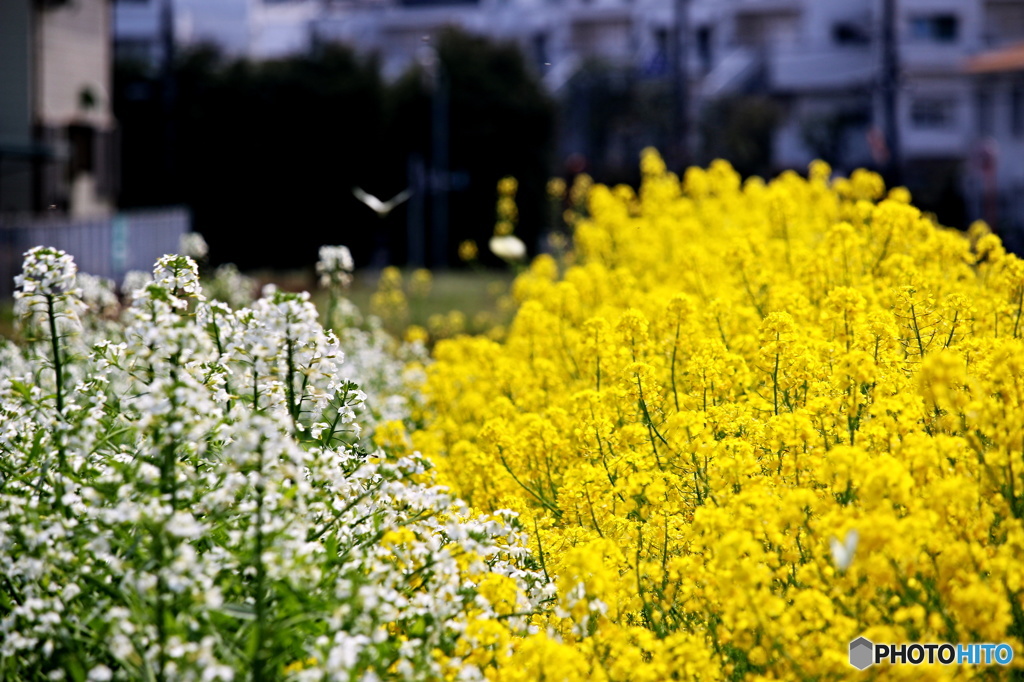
point(611, 113)
point(500, 122)
point(274, 148)
point(739, 128)
point(828, 134)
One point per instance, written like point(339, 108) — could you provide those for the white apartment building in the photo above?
point(820, 57)
point(57, 148)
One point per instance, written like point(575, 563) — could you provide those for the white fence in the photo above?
point(107, 247)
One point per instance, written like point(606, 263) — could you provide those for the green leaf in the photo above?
point(240, 611)
point(23, 389)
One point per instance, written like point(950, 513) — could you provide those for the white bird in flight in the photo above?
point(381, 208)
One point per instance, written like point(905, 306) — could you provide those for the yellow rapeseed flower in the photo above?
point(745, 423)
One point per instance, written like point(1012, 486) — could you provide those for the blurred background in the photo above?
point(124, 124)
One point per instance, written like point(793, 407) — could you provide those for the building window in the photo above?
point(767, 29)
point(1017, 109)
point(933, 113)
point(935, 28)
point(1004, 23)
point(849, 33)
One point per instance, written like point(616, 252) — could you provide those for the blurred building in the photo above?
point(820, 63)
point(257, 29)
point(57, 143)
point(821, 59)
point(995, 177)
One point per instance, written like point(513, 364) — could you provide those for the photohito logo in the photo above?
point(865, 653)
point(861, 653)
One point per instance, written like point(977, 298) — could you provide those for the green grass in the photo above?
point(470, 292)
point(7, 319)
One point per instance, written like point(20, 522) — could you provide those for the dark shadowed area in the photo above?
point(275, 148)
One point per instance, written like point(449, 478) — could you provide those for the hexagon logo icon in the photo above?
point(861, 653)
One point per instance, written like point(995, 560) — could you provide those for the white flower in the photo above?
point(100, 673)
point(97, 292)
point(230, 286)
point(133, 281)
point(177, 273)
point(227, 394)
point(193, 245)
point(47, 293)
point(508, 247)
point(183, 525)
point(345, 651)
point(46, 271)
point(335, 266)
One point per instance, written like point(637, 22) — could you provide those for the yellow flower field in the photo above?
point(745, 423)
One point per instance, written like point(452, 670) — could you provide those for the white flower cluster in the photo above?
point(98, 294)
point(193, 245)
point(192, 511)
point(46, 272)
point(335, 266)
point(230, 286)
point(133, 281)
point(48, 305)
point(381, 366)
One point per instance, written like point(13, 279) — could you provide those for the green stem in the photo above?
point(58, 375)
point(544, 502)
point(161, 611)
point(675, 350)
point(220, 353)
point(540, 550)
point(258, 654)
point(917, 331)
point(1020, 308)
point(293, 406)
point(255, 388)
point(58, 368)
point(775, 383)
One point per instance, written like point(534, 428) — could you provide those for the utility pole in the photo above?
point(679, 49)
point(168, 95)
point(440, 176)
point(890, 83)
point(415, 229)
point(35, 14)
